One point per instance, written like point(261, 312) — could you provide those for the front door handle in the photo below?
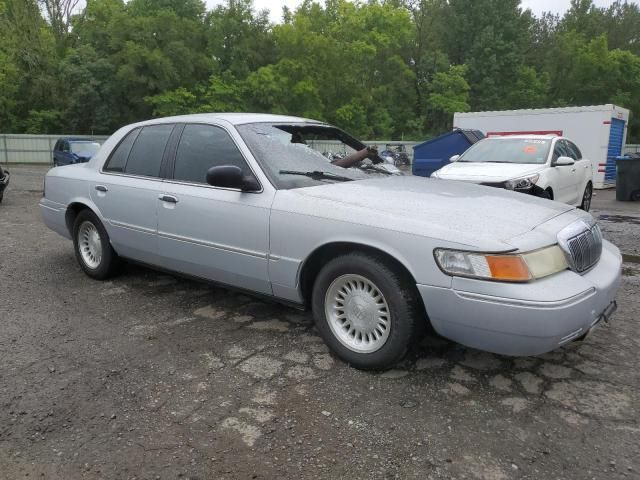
point(101, 188)
point(168, 198)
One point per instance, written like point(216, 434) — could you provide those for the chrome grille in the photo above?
point(583, 249)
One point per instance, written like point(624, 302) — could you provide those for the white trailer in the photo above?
point(600, 131)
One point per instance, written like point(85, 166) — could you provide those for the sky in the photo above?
point(557, 6)
point(536, 6)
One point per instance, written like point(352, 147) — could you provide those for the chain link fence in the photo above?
point(34, 149)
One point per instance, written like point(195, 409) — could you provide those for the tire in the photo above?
point(361, 275)
point(586, 197)
point(89, 233)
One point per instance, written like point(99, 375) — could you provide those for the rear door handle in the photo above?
point(101, 188)
point(168, 198)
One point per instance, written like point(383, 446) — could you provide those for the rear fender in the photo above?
point(88, 203)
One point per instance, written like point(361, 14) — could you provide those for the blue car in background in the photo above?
point(74, 150)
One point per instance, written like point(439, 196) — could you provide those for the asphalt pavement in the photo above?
point(150, 376)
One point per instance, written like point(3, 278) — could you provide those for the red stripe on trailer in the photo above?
point(602, 164)
point(601, 170)
point(607, 122)
point(527, 132)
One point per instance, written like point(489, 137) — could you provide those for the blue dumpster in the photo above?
point(434, 154)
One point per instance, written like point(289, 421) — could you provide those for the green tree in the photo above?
point(88, 89)
point(491, 44)
point(9, 86)
point(239, 39)
point(449, 94)
point(28, 48)
point(530, 89)
point(394, 69)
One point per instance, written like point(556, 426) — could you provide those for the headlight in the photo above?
point(434, 175)
point(523, 183)
point(506, 267)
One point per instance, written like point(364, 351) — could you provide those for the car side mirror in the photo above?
point(231, 176)
point(564, 162)
point(454, 158)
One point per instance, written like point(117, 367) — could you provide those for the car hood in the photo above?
point(467, 215)
point(487, 172)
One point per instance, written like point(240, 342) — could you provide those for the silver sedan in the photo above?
point(252, 202)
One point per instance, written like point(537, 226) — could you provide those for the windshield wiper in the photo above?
point(317, 175)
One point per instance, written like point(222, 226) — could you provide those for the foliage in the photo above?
point(395, 69)
point(449, 93)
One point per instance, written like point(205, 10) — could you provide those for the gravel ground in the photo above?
point(150, 376)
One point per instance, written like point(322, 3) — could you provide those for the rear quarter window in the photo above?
point(118, 159)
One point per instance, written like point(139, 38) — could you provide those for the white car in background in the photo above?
point(547, 166)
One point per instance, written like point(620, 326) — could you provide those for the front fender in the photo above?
point(295, 237)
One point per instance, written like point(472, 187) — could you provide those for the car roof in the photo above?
point(232, 118)
point(549, 136)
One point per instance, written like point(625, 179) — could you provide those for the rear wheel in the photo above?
point(586, 197)
point(366, 310)
point(92, 247)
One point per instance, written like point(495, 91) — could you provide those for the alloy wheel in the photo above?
point(90, 244)
point(357, 313)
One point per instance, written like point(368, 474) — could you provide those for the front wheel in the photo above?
point(92, 247)
point(586, 197)
point(366, 310)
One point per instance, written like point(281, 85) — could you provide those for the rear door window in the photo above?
point(118, 159)
point(146, 155)
point(202, 147)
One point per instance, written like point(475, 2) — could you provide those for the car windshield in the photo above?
point(300, 155)
point(85, 148)
point(508, 150)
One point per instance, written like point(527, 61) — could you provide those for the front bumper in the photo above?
point(525, 318)
point(534, 190)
